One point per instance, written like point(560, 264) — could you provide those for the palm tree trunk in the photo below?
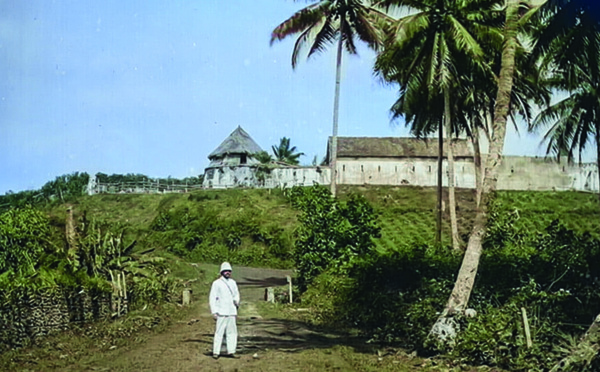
point(451, 195)
point(336, 109)
point(586, 350)
point(598, 156)
point(445, 328)
point(477, 163)
point(438, 236)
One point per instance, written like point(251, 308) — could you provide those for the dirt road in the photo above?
point(263, 344)
point(268, 343)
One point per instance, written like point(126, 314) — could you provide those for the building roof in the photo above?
point(397, 147)
point(238, 142)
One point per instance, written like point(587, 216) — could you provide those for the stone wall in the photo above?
point(251, 176)
point(515, 173)
point(26, 315)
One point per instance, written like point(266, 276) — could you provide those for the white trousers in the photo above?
point(225, 325)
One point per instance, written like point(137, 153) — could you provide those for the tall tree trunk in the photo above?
point(451, 195)
point(585, 351)
point(598, 156)
point(71, 233)
point(477, 163)
point(336, 110)
point(438, 236)
point(446, 327)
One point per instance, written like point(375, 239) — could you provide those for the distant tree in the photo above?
point(285, 153)
point(263, 157)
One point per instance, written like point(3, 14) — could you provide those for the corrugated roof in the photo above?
point(398, 147)
point(238, 142)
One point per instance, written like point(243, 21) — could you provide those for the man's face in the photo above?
point(226, 273)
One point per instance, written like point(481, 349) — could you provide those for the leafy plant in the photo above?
point(24, 237)
point(332, 233)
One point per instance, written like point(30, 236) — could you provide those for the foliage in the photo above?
point(263, 157)
point(103, 252)
point(24, 237)
point(284, 153)
point(198, 232)
point(332, 233)
point(324, 22)
point(395, 296)
point(64, 188)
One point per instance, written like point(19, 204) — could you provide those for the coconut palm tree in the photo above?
point(571, 56)
point(322, 24)
point(421, 54)
point(285, 153)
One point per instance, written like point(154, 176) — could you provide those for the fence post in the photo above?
point(289, 280)
point(186, 297)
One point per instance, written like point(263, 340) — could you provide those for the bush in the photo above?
point(395, 297)
point(200, 233)
point(332, 233)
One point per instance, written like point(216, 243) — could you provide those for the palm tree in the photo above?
point(575, 121)
point(263, 157)
point(285, 153)
point(320, 25)
point(572, 58)
point(421, 54)
point(445, 327)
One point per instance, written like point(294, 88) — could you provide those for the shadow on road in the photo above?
point(262, 282)
point(292, 336)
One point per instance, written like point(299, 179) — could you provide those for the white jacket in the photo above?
point(224, 297)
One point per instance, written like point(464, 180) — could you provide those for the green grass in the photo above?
point(406, 214)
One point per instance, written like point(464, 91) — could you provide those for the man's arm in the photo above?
point(213, 297)
point(236, 295)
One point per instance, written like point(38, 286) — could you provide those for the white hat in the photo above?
point(225, 266)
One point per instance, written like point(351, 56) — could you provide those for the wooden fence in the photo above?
point(143, 187)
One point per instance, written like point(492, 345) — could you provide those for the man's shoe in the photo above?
point(234, 356)
point(215, 356)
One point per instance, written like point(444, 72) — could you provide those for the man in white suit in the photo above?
point(224, 301)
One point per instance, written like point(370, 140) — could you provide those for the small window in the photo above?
point(344, 168)
point(243, 159)
point(430, 169)
point(362, 169)
point(379, 168)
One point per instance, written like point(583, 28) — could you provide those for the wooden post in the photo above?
point(186, 297)
point(113, 297)
point(526, 328)
point(269, 295)
point(118, 295)
point(125, 304)
point(289, 280)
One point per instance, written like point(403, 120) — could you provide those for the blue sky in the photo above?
point(152, 87)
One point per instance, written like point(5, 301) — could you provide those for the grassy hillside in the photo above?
point(257, 218)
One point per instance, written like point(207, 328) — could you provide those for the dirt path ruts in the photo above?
point(187, 345)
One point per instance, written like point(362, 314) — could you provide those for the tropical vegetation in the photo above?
point(286, 153)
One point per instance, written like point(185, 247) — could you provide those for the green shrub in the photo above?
point(331, 233)
point(24, 237)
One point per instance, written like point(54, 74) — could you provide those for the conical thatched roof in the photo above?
point(238, 142)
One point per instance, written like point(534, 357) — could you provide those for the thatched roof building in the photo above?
point(397, 147)
point(236, 149)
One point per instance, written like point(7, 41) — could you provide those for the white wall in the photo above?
point(247, 176)
point(515, 173)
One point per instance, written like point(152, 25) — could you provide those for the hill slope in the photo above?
point(257, 221)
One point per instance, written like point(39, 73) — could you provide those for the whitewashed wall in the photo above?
point(246, 176)
point(515, 173)
point(416, 172)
